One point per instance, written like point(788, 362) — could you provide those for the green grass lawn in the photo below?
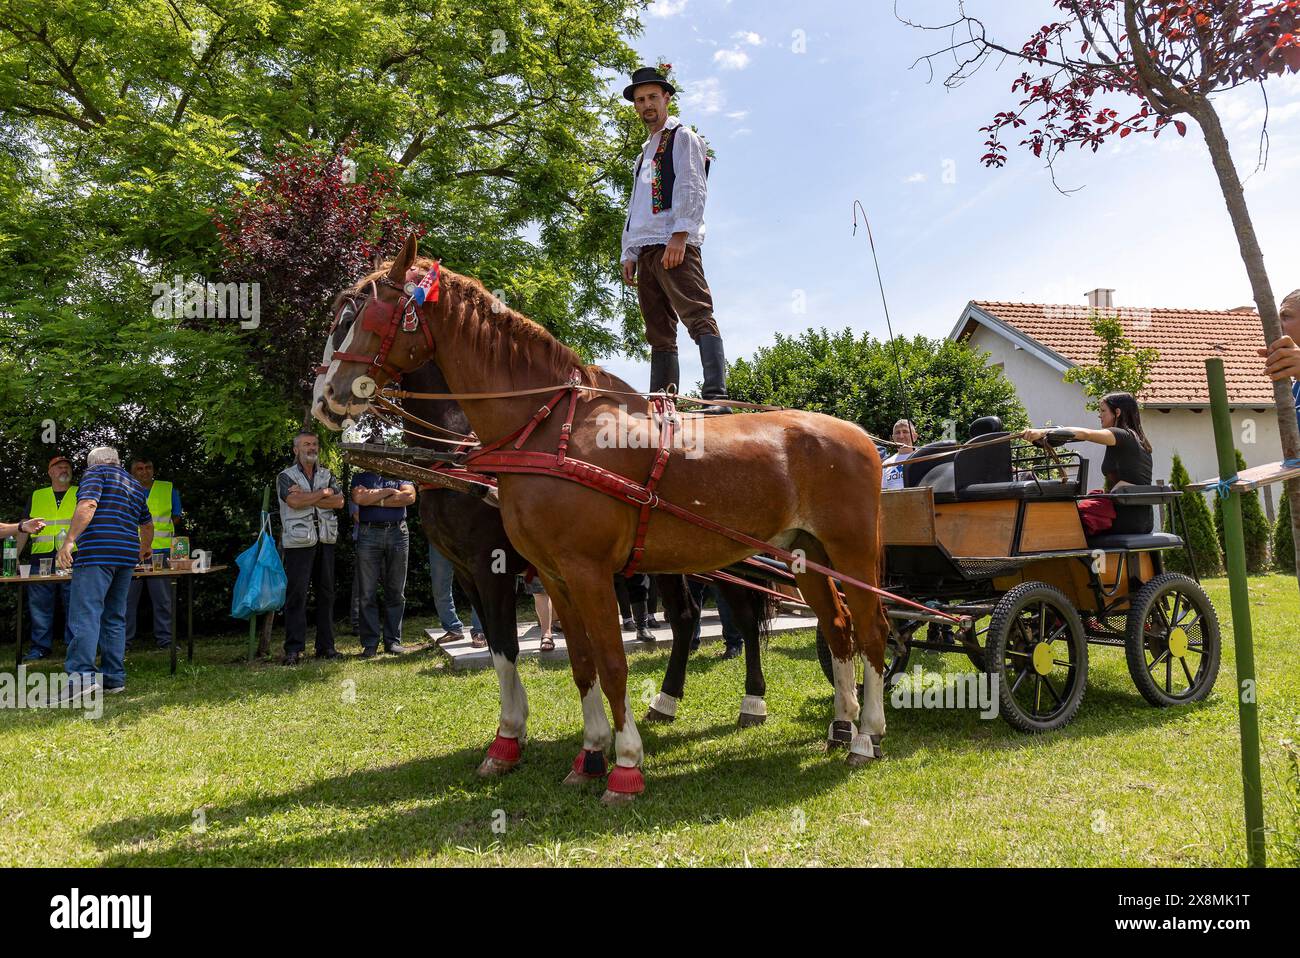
point(366, 763)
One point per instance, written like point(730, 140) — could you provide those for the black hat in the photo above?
point(647, 75)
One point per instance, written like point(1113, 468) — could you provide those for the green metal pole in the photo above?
point(1235, 546)
point(252, 619)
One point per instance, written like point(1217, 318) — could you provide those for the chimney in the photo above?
point(1100, 299)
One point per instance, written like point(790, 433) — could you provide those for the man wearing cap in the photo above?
point(165, 507)
point(114, 530)
point(54, 504)
point(662, 237)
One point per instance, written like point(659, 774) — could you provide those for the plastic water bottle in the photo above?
point(11, 557)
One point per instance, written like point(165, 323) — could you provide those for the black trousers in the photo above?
point(304, 567)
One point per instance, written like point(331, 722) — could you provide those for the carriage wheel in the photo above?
point(897, 651)
point(1172, 642)
point(1037, 653)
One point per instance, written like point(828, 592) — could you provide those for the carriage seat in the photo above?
point(1139, 542)
point(1042, 490)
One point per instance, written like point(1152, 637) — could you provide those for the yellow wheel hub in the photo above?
point(1042, 658)
point(1178, 643)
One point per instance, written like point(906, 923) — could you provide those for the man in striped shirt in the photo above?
point(112, 529)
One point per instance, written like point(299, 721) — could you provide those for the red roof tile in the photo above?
point(1184, 338)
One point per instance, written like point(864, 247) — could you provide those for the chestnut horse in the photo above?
point(467, 529)
point(793, 479)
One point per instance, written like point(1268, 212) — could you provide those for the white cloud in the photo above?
point(915, 178)
point(731, 59)
point(667, 8)
point(704, 97)
point(743, 131)
point(738, 115)
point(748, 36)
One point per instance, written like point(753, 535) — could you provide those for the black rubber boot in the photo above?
point(643, 632)
point(664, 371)
point(715, 373)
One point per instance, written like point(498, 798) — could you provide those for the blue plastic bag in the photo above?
point(261, 584)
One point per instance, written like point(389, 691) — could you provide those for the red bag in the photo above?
point(1098, 515)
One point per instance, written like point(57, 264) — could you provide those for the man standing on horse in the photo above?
point(662, 237)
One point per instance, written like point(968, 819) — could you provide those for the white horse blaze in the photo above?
point(514, 700)
point(596, 734)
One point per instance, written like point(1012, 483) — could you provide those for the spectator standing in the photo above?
point(383, 546)
point(112, 529)
point(54, 505)
point(308, 531)
point(165, 507)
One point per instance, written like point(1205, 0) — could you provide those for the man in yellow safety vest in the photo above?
point(165, 507)
point(54, 504)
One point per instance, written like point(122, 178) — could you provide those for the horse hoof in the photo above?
point(589, 766)
point(652, 714)
point(753, 711)
point(841, 735)
point(613, 799)
point(494, 767)
point(864, 750)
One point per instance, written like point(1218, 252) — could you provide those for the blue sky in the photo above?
point(800, 135)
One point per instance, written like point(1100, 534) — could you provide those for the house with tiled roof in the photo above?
point(1036, 343)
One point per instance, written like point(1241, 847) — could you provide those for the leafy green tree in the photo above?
point(854, 377)
point(1200, 528)
point(1283, 544)
point(1254, 525)
point(1120, 366)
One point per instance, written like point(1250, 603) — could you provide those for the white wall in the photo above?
point(1051, 401)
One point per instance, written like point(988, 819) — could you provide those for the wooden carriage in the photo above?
point(995, 534)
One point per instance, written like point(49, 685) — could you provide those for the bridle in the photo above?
point(386, 319)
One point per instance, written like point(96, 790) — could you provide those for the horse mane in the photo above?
point(494, 331)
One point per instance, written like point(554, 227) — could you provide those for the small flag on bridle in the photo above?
point(425, 290)
point(427, 286)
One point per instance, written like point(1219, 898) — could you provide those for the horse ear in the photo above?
point(397, 274)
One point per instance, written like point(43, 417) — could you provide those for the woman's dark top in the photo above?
point(1127, 461)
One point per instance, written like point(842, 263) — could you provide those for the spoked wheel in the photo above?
point(897, 651)
point(1038, 655)
point(1172, 643)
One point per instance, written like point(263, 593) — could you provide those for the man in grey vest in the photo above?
point(309, 528)
point(662, 238)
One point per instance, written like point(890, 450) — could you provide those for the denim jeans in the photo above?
point(444, 598)
point(381, 561)
point(731, 635)
point(43, 600)
point(97, 621)
point(160, 597)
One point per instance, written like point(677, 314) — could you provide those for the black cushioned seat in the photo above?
point(1052, 489)
point(1135, 543)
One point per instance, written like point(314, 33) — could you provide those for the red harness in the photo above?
point(385, 319)
point(493, 458)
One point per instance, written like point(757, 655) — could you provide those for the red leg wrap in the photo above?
point(504, 749)
point(627, 780)
point(590, 763)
